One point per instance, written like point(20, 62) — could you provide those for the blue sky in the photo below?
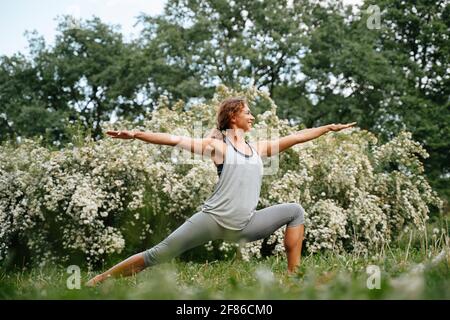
point(17, 16)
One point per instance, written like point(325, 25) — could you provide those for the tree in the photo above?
point(92, 66)
point(386, 79)
point(199, 44)
point(31, 103)
point(418, 33)
point(85, 77)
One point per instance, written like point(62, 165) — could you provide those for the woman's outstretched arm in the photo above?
point(272, 147)
point(195, 145)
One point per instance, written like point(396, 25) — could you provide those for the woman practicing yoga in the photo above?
point(230, 212)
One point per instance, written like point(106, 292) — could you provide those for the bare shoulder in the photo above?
point(218, 150)
point(218, 146)
point(260, 146)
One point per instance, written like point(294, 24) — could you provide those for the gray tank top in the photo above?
point(236, 194)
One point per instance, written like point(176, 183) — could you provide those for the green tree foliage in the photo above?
point(320, 63)
point(31, 102)
point(92, 63)
point(84, 77)
point(388, 79)
point(418, 33)
point(199, 44)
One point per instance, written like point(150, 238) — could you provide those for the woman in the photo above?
point(230, 212)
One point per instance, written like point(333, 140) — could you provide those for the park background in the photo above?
point(376, 195)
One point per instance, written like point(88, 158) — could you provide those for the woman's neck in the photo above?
point(236, 135)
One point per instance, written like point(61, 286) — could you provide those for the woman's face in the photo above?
point(244, 119)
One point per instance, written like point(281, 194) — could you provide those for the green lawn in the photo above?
point(406, 273)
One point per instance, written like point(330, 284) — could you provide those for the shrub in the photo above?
point(93, 199)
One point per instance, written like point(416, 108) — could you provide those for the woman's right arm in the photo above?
point(198, 146)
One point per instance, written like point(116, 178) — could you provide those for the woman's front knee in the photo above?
point(298, 214)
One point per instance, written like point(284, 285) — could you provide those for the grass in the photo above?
point(416, 268)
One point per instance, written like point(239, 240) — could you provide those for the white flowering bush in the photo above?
point(94, 199)
point(358, 196)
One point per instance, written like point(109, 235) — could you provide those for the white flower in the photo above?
point(86, 190)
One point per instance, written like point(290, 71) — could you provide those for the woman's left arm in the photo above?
point(273, 147)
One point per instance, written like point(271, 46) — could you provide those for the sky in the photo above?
point(18, 16)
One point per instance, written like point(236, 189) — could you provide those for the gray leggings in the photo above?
point(202, 228)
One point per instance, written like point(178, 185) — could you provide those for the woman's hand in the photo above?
point(339, 127)
point(121, 134)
